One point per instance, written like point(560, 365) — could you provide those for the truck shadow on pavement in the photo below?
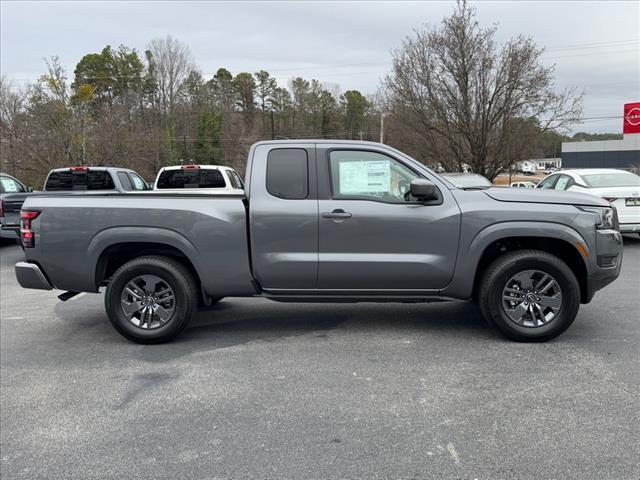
point(239, 321)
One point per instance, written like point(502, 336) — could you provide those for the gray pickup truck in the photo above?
point(326, 221)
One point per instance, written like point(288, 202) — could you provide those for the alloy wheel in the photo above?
point(532, 298)
point(148, 301)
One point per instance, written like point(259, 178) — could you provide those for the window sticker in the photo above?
point(365, 177)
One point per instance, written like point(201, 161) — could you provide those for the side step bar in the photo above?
point(67, 295)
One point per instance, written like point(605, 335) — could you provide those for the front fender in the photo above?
point(471, 249)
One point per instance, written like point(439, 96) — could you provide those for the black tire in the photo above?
point(170, 271)
point(495, 278)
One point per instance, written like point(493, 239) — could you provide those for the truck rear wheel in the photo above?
point(150, 299)
point(529, 295)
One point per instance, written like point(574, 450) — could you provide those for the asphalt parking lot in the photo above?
point(255, 389)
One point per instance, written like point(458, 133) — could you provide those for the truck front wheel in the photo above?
point(529, 295)
point(150, 299)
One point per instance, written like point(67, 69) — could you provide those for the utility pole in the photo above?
point(184, 143)
point(273, 128)
point(381, 127)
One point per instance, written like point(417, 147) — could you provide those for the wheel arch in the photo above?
point(478, 252)
point(560, 248)
point(113, 247)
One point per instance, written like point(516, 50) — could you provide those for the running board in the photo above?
point(63, 297)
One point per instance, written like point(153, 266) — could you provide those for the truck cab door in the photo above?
point(283, 216)
point(373, 236)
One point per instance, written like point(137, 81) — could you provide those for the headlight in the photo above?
point(607, 217)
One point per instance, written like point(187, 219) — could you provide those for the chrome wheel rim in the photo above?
point(148, 302)
point(532, 298)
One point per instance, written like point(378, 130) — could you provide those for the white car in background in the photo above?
point(523, 185)
point(619, 187)
point(208, 179)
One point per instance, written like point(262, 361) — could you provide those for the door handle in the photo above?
point(337, 213)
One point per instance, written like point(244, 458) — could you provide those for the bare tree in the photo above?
point(467, 98)
point(172, 63)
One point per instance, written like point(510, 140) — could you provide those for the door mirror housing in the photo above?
point(423, 190)
point(29, 189)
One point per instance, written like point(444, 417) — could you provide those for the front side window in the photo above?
point(563, 183)
point(9, 185)
point(236, 181)
point(288, 173)
point(370, 175)
point(548, 182)
point(137, 182)
point(124, 180)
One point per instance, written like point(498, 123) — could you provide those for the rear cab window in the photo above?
point(191, 177)
point(288, 173)
point(79, 179)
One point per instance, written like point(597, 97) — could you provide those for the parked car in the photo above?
point(88, 178)
point(326, 221)
point(523, 185)
point(619, 187)
point(206, 178)
point(467, 180)
point(12, 195)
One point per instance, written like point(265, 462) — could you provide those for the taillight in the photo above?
point(79, 169)
point(190, 167)
point(1, 208)
point(26, 234)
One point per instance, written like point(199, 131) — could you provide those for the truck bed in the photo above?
point(209, 229)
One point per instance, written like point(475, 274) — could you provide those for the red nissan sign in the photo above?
point(631, 122)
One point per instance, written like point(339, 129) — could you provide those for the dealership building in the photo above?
point(623, 153)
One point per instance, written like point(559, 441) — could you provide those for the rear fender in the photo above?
point(115, 235)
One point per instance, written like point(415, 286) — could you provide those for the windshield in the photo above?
point(468, 181)
point(617, 179)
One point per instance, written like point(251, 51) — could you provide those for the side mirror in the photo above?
point(29, 189)
point(423, 189)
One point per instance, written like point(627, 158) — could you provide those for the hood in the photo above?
point(538, 195)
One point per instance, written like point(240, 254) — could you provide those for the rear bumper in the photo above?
point(12, 233)
point(630, 227)
point(30, 275)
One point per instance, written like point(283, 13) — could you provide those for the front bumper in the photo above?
point(608, 261)
point(30, 275)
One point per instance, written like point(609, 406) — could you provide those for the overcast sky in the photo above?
point(595, 45)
